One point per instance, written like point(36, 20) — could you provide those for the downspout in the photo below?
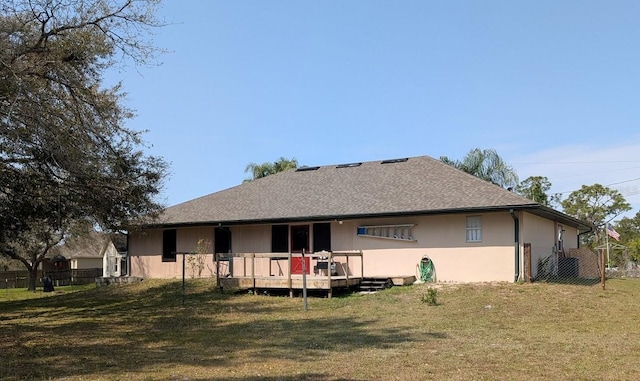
point(516, 231)
point(584, 232)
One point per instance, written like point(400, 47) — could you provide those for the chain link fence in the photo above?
point(577, 266)
point(626, 269)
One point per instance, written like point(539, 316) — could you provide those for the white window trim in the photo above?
point(473, 231)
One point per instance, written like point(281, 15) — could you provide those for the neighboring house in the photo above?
point(81, 252)
point(395, 212)
point(91, 251)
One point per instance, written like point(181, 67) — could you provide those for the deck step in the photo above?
point(374, 284)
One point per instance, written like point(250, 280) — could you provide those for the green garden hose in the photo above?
point(425, 270)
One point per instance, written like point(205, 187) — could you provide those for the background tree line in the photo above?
point(595, 204)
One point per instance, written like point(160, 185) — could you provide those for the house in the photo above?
point(81, 252)
point(94, 251)
point(373, 219)
point(84, 258)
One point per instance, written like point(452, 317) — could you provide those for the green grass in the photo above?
point(475, 332)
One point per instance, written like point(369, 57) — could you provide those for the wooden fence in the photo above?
point(20, 278)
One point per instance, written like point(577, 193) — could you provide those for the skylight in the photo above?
point(350, 165)
point(305, 169)
point(394, 161)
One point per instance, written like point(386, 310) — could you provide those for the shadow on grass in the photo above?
point(100, 331)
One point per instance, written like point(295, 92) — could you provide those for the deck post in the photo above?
point(346, 271)
point(218, 283)
point(289, 276)
point(304, 282)
point(329, 262)
point(253, 272)
point(244, 265)
point(184, 255)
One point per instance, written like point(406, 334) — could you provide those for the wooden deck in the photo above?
point(294, 283)
point(250, 276)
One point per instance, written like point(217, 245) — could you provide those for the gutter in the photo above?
point(584, 232)
point(516, 231)
point(326, 218)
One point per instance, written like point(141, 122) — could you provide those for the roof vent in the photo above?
point(351, 165)
point(305, 169)
point(395, 161)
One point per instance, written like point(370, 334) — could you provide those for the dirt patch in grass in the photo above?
point(480, 332)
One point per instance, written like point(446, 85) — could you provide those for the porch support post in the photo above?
point(218, 283)
point(289, 275)
point(184, 255)
point(253, 272)
point(329, 263)
point(346, 271)
point(304, 282)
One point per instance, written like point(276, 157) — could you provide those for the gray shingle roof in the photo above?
point(417, 185)
point(88, 246)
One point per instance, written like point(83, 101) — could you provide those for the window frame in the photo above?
point(279, 238)
point(169, 245)
point(321, 237)
point(299, 236)
point(473, 232)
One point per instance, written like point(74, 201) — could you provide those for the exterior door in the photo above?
point(299, 242)
point(222, 245)
point(222, 240)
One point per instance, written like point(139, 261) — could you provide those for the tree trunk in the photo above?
point(33, 278)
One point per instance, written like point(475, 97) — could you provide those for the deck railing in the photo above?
point(326, 265)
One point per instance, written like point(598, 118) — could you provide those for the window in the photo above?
point(300, 238)
point(321, 237)
point(394, 161)
point(306, 169)
point(350, 165)
point(474, 229)
point(222, 241)
point(280, 238)
point(169, 245)
point(560, 238)
point(400, 232)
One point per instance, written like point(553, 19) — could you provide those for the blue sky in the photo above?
point(551, 85)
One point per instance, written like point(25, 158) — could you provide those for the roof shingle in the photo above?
point(412, 186)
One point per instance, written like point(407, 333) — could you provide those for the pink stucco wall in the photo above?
point(440, 237)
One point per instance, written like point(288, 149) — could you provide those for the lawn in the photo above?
point(476, 332)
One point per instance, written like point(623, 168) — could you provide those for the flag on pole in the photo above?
point(613, 233)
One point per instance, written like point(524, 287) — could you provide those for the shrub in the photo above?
point(431, 297)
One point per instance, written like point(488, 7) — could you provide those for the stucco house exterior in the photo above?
point(393, 213)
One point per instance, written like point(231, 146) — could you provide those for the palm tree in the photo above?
point(487, 165)
point(267, 168)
